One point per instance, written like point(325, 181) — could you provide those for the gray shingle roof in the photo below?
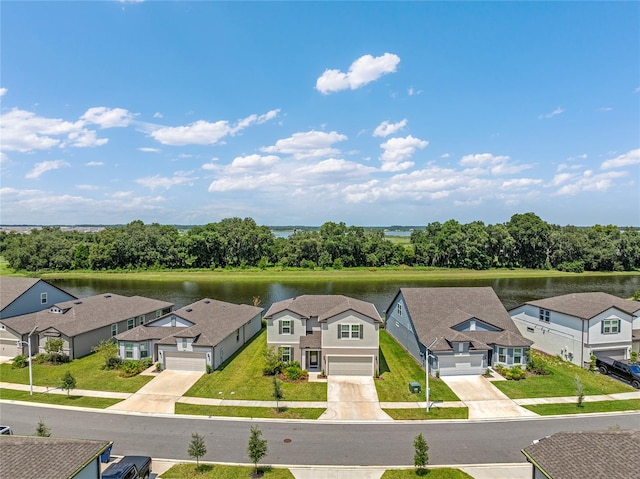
point(86, 314)
point(587, 305)
point(435, 311)
point(312, 340)
point(592, 454)
point(11, 288)
point(323, 306)
point(33, 457)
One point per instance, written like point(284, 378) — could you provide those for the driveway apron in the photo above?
point(352, 398)
point(483, 399)
point(161, 393)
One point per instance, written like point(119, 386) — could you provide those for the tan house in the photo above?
point(83, 323)
point(331, 333)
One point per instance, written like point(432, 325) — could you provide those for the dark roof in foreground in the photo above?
point(324, 306)
point(31, 457)
point(586, 305)
point(592, 454)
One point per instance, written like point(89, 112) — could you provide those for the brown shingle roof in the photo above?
point(32, 457)
point(323, 306)
point(593, 454)
point(587, 305)
point(312, 340)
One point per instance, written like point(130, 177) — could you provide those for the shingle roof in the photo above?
point(323, 306)
point(593, 454)
point(587, 305)
point(435, 311)
point(86, 314)
point(312, 340)
point(213, 321)
point(11, 288)
point(31, 457)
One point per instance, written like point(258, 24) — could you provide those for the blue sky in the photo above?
point(299, 113)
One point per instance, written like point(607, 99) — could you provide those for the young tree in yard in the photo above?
point(42, 430)
point(197, 448)
point(68, 382)
point(420, 458)
point(257, 448)
point(278, 395)
point(108, 350)
point(53, 347)
point(579, 391)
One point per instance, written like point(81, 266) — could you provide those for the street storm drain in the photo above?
point(287, 441)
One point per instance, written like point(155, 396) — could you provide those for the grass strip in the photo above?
point(419, 414)
point(218, 471)
point(587, 407)
point(251, 412)
point(435, 473)
point(58, 399)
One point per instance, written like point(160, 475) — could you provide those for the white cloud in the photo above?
point(310, 144)
point(398, 149)
point(629, 158)
point(557, 111)
point(336, 167)
point(146, 149)
point(107, 117)
point(589, 181)
point(385, 128)
point(246, 182)
point(88, 187)
point(362, 71)
point(445, 155)
point(254, 162)
point(158, 115)
point(203, 132)
point(520, 183)
point(157, 181)
point(3, 158)
point(3, 91)
point(94, 163)
point(412, 91)
point(83, 139)
point(44, 166)
point(210, 166)
point(486, 163)
point(561, 178)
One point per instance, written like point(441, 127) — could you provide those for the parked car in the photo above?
point(129, 467)
point(6, 430)
point(622, 369)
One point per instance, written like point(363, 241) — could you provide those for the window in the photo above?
point(285, 353)
point(610, 326)
point(238, 335)
point(517, 355)
point(184, 343)
point(502, 355)
point(131, 323)
point(141, 319)
point(173, 321)
point(43, 298)
point(144, 350)
point(399, 309)
point(128, 350)
point(345, 331)
point(114, 330)
point(158, 314)
point(350, 331)
point(544, 315)
point(286, 326)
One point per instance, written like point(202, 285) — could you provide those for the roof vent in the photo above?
point(206, 301)
point(107, 295)
point(77, 302)
point(188, 310)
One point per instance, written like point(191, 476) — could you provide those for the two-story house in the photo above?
point(331, 333)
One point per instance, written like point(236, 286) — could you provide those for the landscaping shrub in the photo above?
point(132, 367)
point(273, 363)
point(516, 373)
point(41, 358)
point(537, 364)
point(20, 361)
point(295, 372)
point(112, 363)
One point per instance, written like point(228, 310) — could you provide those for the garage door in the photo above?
point(181, 361)
point(460, 365)
point(350, 366)
point(611, 353)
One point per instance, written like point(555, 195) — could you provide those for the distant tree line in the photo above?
point(525, 241)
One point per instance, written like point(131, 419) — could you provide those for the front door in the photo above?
point(314, 359)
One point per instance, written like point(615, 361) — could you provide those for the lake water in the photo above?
point(512, 292)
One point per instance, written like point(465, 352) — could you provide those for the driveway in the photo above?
point(352, 398)
point(483, 399)
point(161, 393)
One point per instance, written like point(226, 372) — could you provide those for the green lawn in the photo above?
point(246, 411)
point(436, 473)
point(240, 377)
point(587, 407)
point(210, 471)
point(86, 370)
point(413, 414)
point(398, 368)
point(560, 381)
point(59, 399)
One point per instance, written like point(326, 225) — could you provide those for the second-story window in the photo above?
point(544, 315)
point(43, 298)
point(610, 326)
point(286, 326)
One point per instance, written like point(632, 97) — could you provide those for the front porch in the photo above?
point(311, 352)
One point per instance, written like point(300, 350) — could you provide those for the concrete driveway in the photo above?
point(161, 393)
point(483, 399)
point(352, 398)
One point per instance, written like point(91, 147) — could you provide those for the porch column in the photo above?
point(303, 359)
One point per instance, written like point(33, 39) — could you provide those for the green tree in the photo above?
point(531, 235)
point(42, 430)
point(68, 382)
point(108, 350)
point(257, 447)
point(420, 457)
point(197, 448)
point(53, 347)
point(278, 395)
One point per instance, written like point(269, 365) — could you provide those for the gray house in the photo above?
point(471, 329)
point(331, 333)
point(83, 323)
point(28, 295)
point(202, 334)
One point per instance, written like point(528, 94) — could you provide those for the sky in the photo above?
point(300, 113)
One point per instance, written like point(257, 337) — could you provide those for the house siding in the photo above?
point(90, 471)
point(401, 328)
point(30, 302)
point(275, 339)
point(8, 343)
point(330, 330)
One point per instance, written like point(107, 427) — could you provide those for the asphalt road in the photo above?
point(307, 442)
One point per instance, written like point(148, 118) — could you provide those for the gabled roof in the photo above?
point(11, 288)
point(593, 454)
point(323, 307)
point(33, 456)
point(587, 305)
point(212, 322)
point(435, 311)
point(86, 314)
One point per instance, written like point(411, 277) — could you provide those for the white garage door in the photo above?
point(181, 361)
point(459, 365)
point(350, 366)
point(611, 353)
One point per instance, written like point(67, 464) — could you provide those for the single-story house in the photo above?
point(469, 327)
point(331, 333)
point(204, 333)
point(83, 323)
point(580, 454)
point(574, 326)
point(33, 456)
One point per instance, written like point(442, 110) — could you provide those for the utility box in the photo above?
point(415, 387)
